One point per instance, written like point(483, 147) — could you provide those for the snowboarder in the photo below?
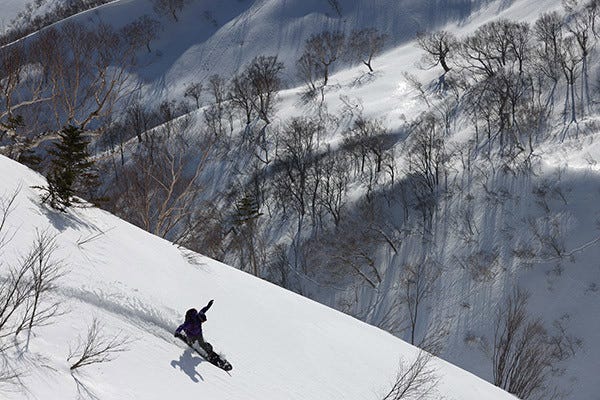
point(193, 333)
point(193, 327)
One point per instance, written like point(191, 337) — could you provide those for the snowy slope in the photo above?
point(282, 346)
point(12, 10)
point(9, 10)
point(220, 37)
point(190, 50)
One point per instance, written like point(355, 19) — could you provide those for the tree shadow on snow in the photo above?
point(83, 391)
point(364, 78)
point(187, 363)
point(64, 220)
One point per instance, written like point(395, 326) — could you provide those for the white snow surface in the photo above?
point(9, 10)
point(282, 346)
point(221, 37)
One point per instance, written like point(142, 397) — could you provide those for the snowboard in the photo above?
point(212, 357)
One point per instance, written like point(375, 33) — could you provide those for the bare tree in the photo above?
point(427, 165)
point(438, 47)
point(241, 95)
point(355, 253)
point(206, 231)
point(524, 354)
point(308, 72)
point(334, 188)
point(194, 90)
point(45, 271)
point(172, 118)
point(22, 87)
point(14, 294)
point(87, 72)
point(31, 20)
point(142, 32)
point(26, 291)
point(299, 143)
point(496, 45)
point(265, 77)
point(215, 115)
point(7, 206)
point(13, 287)
point(580, 25)
point(159, 187)
point(217, 88)
point(169, 7)
point(254, 90)
point(418, 282)
point(61, 76)
point(366, 44)
point(549, 32)
point(416, 381)
point(320, 52)
point(512, 73)
point(97, 347)
point(138, 120)
point(571, 64)
point(369, 136)
point(427, 153)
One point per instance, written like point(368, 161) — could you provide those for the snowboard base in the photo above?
point(212, 357)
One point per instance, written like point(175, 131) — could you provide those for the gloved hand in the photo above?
point(210, 303)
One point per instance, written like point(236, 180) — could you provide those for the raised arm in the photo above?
point(205, 309)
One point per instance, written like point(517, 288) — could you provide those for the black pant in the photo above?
point(200, 340)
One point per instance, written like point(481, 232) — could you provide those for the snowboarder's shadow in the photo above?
point(187, 363)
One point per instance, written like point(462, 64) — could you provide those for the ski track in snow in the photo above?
point(130, 309)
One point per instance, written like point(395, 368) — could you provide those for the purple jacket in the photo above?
point(193, 321)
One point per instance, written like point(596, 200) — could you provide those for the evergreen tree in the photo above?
point(71, 168)
point(247, 209)
point(247, 212)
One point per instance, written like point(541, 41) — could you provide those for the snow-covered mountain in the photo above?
point(282, 346)
point(10, 9)
point(536, 230)
point(221, 37)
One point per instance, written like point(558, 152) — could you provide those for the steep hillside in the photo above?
point(281, 345)
point(10, 9)
point(211, 37)
point(496, 225)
